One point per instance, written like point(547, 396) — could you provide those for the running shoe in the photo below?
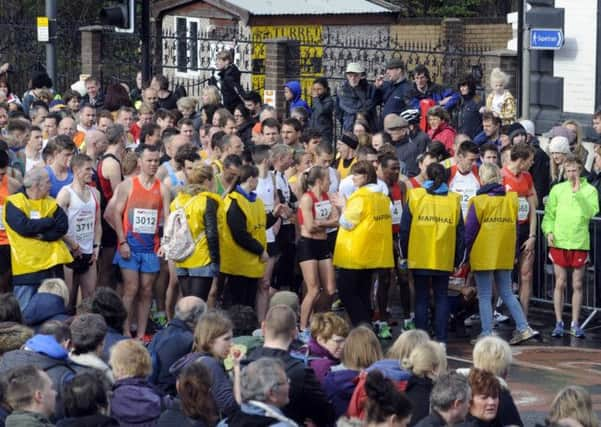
point(559, 330)
point(304, 335)
point(408, 324)
point(337, 305)
point(498, 317)
point(577, 331)
point(384, 332)
point(472, 320)
point(146, 339)
point(521, 336)
point(160, 319)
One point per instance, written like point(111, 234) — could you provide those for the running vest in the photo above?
point(82, 220)
point(414, 182)
point(467, 185)
point(195, 208)
point(523, 185)
point(141, 216)
point(3, 196)
point(175, 181)
point(234, 259)
point(55, 183)
point(369, 244)
point(344, 171)
point(29, 255)
point(433, 232)
point(396, 206)
point(104, 184)
point(266, 191)
point(494, 247)
point(321, 208)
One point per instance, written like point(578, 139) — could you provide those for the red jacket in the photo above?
point(445, 134)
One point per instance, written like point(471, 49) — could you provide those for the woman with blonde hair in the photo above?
point(361, 350)
point(212, 344)
point(403, 346)
point(426, 362)
point(328, 335)
point(573, 402)
point(210, 95)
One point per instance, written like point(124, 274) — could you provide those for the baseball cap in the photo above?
point(354, 67)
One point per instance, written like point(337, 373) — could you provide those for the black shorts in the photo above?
point(312, 249)
point(109, 237)
point(80, 265)
point(523, 235)
point(331, 238)
point(4, 259)
point(273, 249)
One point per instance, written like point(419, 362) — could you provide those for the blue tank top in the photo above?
point(55, 183)
point(175, 181)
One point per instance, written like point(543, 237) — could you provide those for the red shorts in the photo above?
point(568, 258)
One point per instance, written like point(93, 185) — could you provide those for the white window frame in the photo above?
point(188, 72)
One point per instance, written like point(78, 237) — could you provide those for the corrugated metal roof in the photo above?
point(309, 7)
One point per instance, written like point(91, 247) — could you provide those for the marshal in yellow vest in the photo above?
point(494, 247)
point(30, 255)
point(234, 259)
point(369, 244)
point(195, 207)
point(432, 236)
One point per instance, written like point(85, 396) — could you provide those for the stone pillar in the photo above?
point(91, 50)
point(506, 60)
point(282, 63)
point(451, 34)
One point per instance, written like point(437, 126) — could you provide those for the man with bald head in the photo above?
point(96, 144)
point(175, 341)
point(67, 127)
point(167, 171)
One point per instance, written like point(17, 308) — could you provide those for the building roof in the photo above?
point(313, 7)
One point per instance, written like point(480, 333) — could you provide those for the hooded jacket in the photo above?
point(297, 101)
point(43, 307)
point(321, 117)
point(353, 100)
point(135, 402)
point(12, 336)
point(321, 360)
point(339, 385)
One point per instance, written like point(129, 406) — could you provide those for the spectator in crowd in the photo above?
point(32, 397)
point(244, 125)
point(484, 405)
point(87, 340)
point(385, 404)
point(361, 350)
point(253, 102)
point(406, 149)
point(265, 390)
point(323, 109)
point(229, 80)
point(167, 99)
point(293, 95)
point(40, 81)
point(108, 304)
point(35, 225)
point(493, 354)
point(355, 96)
point(13, 333)
point(116, 97)
point(449, 401)
point(469, 118)
point(93, 95)
point(426, 239)
point(500, 101)
point(49, 303)
point(540, 169)
point(440, 128)
point(395, 89)
point(569, 209)
point(194, 407)
point(559, 149)
point(328, 334)
point(573, 402)
point(491, 126)
point(175, 341)
point(307, 400)
point(134, 400)
point(425, 363)
point(86, 401)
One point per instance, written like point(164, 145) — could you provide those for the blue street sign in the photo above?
point(546, 38)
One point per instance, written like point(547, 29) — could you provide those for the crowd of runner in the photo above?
point(172, 260)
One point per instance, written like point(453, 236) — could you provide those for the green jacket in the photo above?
point(27, 419)
point(567, 215)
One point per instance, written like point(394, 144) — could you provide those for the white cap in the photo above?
point(529, 126)
point(354, 67)
point(559, 144)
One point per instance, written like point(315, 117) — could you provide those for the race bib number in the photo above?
point(34, 215)
point(1, 217)
point(145, 221)
point(323, 209)
point(397, 212)
point(84, 226)
point(466, 195)
point(523, 209)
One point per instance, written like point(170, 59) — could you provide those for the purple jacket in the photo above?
point(320, 360)
point(136, 402)
point(472, 225)
point(339, 386)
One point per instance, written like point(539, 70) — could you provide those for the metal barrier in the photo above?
point(544, 278)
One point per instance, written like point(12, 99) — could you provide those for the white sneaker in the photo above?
point(472, 320)
point(499, 317)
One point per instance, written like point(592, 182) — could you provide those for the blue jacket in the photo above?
point(339, 386)
point(394, 96)
point(434, 92)
point(353, 100)
point(44, 307)
point(112, 337)
point(321, 118)
point(166, 347)
point(469, 119)
point(481, 139)
point(297, 101)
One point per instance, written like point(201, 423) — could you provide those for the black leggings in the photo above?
point(195, 286)
point(354, 287)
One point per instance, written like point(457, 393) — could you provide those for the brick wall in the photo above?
point(494, 36)
point(420, 34)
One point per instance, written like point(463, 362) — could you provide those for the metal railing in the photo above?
point(544, 278)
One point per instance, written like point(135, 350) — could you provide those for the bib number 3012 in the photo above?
point(145, 221)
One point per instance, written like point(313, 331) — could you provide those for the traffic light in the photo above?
point(119, 14)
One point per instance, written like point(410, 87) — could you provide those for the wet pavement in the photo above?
point(541, 367)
